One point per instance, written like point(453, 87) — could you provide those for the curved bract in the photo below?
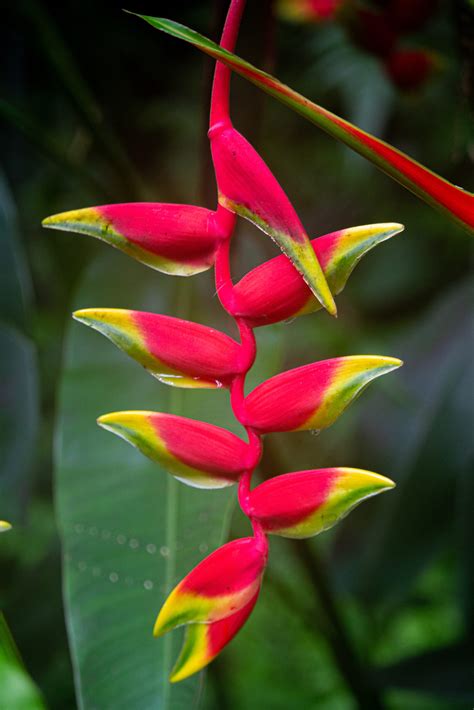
point(219, 586)
point(318, 393)
point(306, 503)
point(175, 239)
point(247, 186)
point(203, 642)
point(199, 454)
point(274, 291)
point(175, 351)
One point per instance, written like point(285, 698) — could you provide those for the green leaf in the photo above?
point(17, 690)
point(130, 532)
point(437, 192)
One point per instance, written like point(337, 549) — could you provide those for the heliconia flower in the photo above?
point(308, 10)
point(305, 503)
point(274, 291)
point(313, 396)
point(196, 453)
point(175, 239)
point(175, 351)
point(221, 585)
point(410, 69)
point(203, 642)
point(247, 187)
point(5, 526)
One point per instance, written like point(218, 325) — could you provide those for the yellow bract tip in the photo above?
point(5, 526)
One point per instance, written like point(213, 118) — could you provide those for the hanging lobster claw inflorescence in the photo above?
point(215, 599)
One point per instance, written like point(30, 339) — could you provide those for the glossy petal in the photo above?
point(196, 453)
point(203, 642)
point(175, 239)
point(247, 187)
point(313, 396)
point(4, 526)
point(218, 587)
point(433, 189)
point(305, 503)
point(177, 352)
point(274, 291)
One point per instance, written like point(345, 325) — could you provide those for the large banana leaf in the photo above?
point(129, 530)
point(433, 189)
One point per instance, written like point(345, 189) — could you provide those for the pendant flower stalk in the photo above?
point(215, 599)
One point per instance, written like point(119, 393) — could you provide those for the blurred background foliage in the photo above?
point(96, 107)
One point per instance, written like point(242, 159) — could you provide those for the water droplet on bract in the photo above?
point(93, 531)
point(148, 584)
point(134, 543)
point(113, 576)
point(79, 528)
point(151, 548)
point(164, 551)
point(203, 547)
point(315, 432)
point(105, 534)
point(96, 571)
point(121, 539)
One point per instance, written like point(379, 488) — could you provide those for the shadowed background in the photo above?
point(97, 107)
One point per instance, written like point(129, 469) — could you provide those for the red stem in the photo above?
point(225, 224)
point(221, 85)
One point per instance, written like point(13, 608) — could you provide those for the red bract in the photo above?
point(275, 291)
point(177, 352)
point(219, 586)
point(306, 503)
point(313, 396)
point(215, 599)
point(247, 187)
point(174, 239)
point(199, 454)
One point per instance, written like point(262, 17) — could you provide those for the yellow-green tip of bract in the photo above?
point(5, 526)
point(349, 248)
point(84, 221)
point(350, 489)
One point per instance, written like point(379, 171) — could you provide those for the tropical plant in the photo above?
point(216, 598)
